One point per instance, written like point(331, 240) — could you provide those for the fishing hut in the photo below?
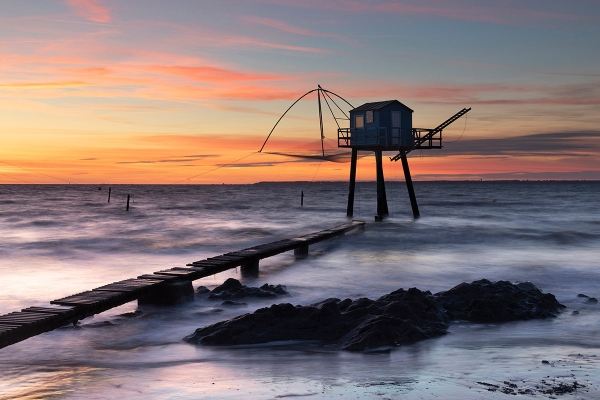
point(378, 126)
point(387, 126)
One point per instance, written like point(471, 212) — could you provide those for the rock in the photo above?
point(233, 289)
point(592, 300)
point(318, 304)
point(202, 291)
point(484, 301)
point(582, 295)
point(575, 312)
point(279, 289)
point(400, 317)
point(545, 362)
point(230, 284)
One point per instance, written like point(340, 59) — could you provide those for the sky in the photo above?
point(186, 91)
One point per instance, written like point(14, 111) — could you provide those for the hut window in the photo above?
point(369, 117)
point(359, 121)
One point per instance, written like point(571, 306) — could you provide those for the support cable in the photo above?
point(463, 132)
point(35, 172)
point(280, 118)
point(336, 104)
point(319, 91)
point(338, 96)
point(330, 110)
point(219, 167)
point(12, 177)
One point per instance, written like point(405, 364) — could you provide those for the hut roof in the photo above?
point(378, 105)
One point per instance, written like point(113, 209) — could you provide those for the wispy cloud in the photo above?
point(516, 176)
point(251, 165)
point(90, 9)
point(489, 93)
point(553, 144)
point(182, 159)
point(153, 76)
point(286, 27)
point(42, 85)
point(209, 74)
point(462, 10)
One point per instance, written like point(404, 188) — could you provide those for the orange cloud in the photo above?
point(42, 85)
point(213, 74)
point(90, 9)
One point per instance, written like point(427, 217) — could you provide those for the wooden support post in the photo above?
point(382, 207)
point(169, 294)
point(409, 186)
point(127, 209)
point(352, 186)
point(302, 198)
point(250, 268)
point(301, 251)
point(109, 190)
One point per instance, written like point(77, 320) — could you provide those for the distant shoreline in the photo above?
point(314, 182)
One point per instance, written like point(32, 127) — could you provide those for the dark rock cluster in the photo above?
point(403, 316)
point(233, 289)
point(484, 301)
point(400, 317)
point(589, 299)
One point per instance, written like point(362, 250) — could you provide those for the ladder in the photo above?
point(431, 133)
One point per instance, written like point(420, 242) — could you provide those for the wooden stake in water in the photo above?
point(127, 209)
point(109, 189)
point(302, 198)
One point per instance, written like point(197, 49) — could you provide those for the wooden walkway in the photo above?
point(32, 321)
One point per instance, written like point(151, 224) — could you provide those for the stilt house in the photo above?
point(383, 125)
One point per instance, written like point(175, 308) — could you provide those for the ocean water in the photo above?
point(64, 239)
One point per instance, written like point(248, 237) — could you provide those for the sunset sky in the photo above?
point(154, 91)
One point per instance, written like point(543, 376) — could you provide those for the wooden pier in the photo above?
point(32, 321)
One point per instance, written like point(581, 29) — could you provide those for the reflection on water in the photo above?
point(59, 240)
point(46, 381)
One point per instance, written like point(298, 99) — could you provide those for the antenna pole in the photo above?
point(321, 119)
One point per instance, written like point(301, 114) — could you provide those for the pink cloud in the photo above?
point(213, 74)
point(90, 9)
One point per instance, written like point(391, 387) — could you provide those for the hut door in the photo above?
point(395, 127)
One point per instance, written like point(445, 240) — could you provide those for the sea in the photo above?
point(58, 240)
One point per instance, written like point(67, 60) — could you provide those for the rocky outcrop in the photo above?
point(233, 289)
point(403, 316)
point(400, 317)
point(484, 301)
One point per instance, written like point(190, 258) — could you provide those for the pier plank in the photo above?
point(188, 274)
point(159, 277)
point(129, 285)
point(62, 311)
point(89, 298)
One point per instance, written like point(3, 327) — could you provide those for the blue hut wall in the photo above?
point(382, 132)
